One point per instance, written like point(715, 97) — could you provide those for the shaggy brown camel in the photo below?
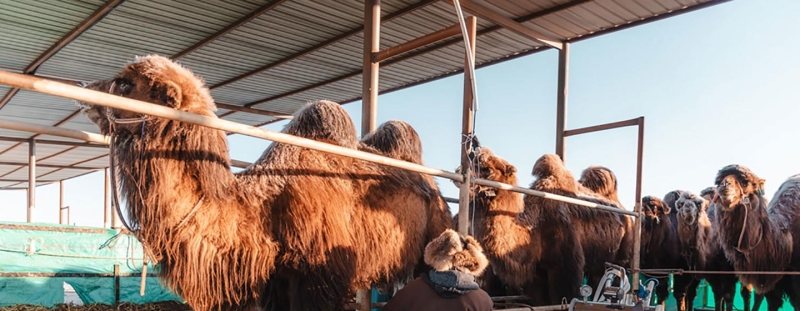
point(661, 249)
point(700, 247)
point(315, 225)
point(539, 245)
point(601, 235)
point(758, 235)
point(603, 181)
point(399, 140)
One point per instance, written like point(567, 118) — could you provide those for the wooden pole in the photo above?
point(369, 102)
point(637, 238)
point(31, 178)
point(563, 91)
point(372, 41)
point(60, 202)
point(466, 133)
point(45, 86)
point(106, 200)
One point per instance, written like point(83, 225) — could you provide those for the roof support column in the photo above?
point(563, 91)
point(369, 77)
point(31, 178)
point(115, 220)
point(369, 102)
point(60, 202)
point(466, 133)
point(106, 201)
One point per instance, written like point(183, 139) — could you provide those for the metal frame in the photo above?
point(637, 208)
point(373, 58)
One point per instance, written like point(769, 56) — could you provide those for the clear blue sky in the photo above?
point(717, 86)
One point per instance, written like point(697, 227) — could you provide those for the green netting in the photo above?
point(46, 248)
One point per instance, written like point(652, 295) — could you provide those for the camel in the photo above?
point(723, 285)
point(700, 247)
point(757, 235)
point(661, 249)
point(297, 230)
point(603, 181)
point(397, 139)
point(539, 245)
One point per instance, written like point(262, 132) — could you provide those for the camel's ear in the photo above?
point(170, 94)
point(760, 187)
point(666, 209)
point(509, 170)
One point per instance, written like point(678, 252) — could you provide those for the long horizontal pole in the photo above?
point(53, 142)
point(602, 127)
point(76, 134)
point(416, 43)
point(40, 85)
point(52, 165)
point(681, 271)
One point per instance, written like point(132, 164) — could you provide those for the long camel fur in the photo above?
point(297, 230)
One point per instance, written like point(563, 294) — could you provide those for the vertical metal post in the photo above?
point(60, 202)
point(31, 178)
point(369, 97)
point(637, 238)
point(116, 284)
point(563, 92)
point(466, 133)
point(106, 201)
point(115, 220)
point(372, 41)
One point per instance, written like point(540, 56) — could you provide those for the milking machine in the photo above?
point(614, 292)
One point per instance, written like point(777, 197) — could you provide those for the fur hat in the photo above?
point(452, 251)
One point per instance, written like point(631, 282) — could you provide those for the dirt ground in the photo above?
point(159, 306)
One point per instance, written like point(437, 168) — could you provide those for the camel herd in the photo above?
point(301, 229)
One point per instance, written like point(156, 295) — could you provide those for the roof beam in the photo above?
point(52, 165)
point(487, 13)
point(485, 31)
point(253, 111)
point(90, 21)
point(53, 142)
point(321, 45)
point(244, 20)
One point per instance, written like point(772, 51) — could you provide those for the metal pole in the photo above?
point(31, 178)
point(637, 238)
point(45, 86)
point(372, 41)
point(106, 201)
point(115, 221)
point(369, 102)
point(563, 91)
point(466, 134)
point(60, 202)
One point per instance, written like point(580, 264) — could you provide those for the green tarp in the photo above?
point(45, 248)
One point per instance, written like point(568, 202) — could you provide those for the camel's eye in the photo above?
point(125, 86)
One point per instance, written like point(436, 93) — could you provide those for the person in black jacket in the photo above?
point(456, 261)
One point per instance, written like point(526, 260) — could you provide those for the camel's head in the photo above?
point(654, 209)
point(153, 79)
point(737, 184)
point(601, 180)
point(491, 167)
point(452, 251)
point(690, 207)
point(671, 197)
point(709, 193)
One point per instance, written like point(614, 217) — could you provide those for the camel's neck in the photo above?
point(694, 240)
point(743, 222)
point(164, 174)
point(499, 215)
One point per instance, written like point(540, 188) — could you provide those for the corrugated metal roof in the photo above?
point(294, 52)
